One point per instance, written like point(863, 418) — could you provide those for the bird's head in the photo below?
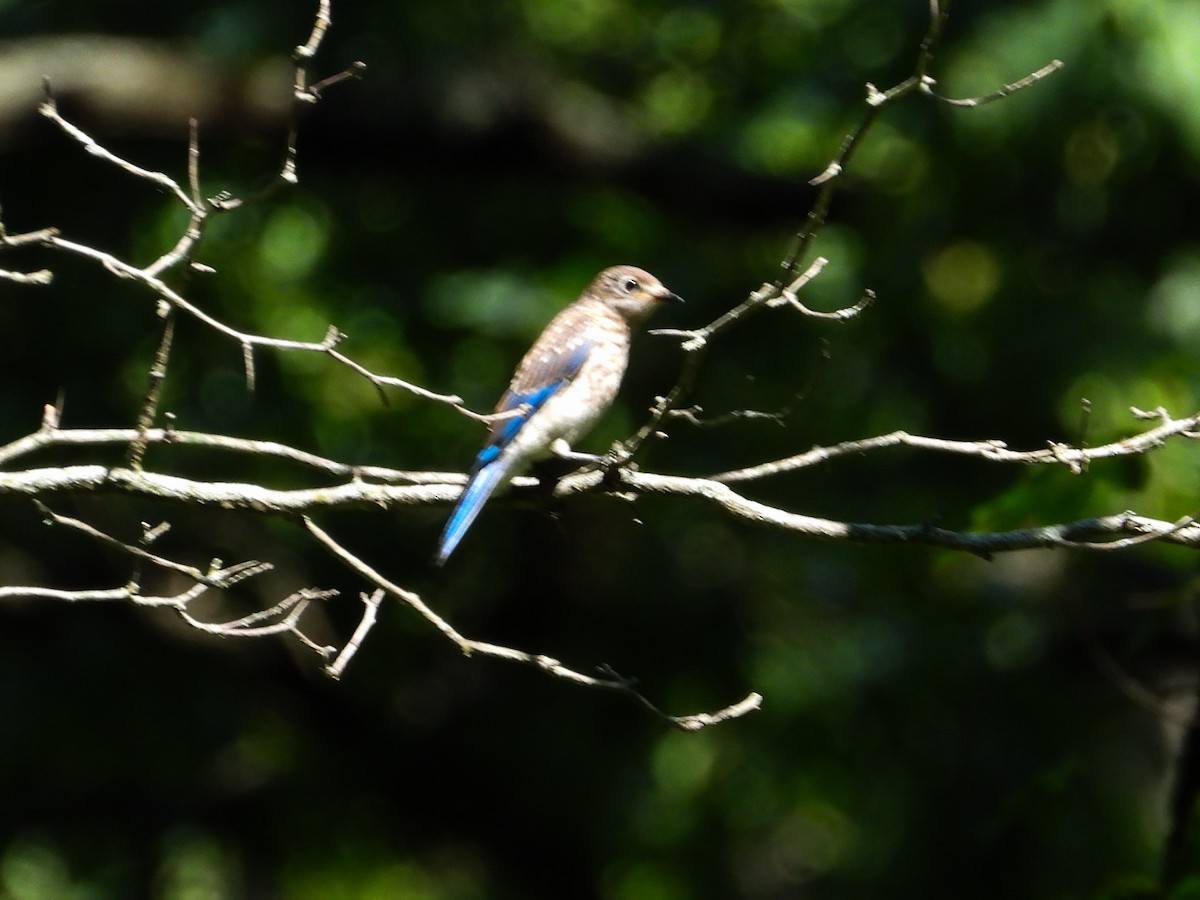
point(632, 292)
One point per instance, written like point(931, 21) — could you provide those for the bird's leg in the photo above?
point(562, 450)
point(561, 462)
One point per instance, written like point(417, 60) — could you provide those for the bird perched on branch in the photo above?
point(566, 380)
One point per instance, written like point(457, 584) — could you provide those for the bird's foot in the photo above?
point(618, 457)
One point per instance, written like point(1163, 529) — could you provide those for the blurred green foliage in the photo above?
point(934, 725)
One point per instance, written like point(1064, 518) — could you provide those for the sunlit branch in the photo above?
point(547, 664)
point(281, 618)
point(1074, 459)
point(49, 109)
point(52, 436)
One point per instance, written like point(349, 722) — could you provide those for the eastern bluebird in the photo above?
point(566, 380)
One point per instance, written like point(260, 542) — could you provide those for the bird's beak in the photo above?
point(669, 297)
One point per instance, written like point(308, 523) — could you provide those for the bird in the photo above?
point(563, 384)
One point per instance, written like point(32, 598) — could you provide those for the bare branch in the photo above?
point(1143, 538)
point(381, 381)
point(199, 210)
point(41, 276)
point(695, 344)
point(51, 436)
point(1074, 458)
point(157, 378)
point(215, 577)
point(117, 594)
point(1080, 534)
point(353, 72)
point(48, 482)
point(281, 618)
point(49, 109)
point(194, 231)
point(920, 81)
point(788, 296)
point(547, 664)
point(365, 624)
point(290, 608)
point(245, 339)
point(305, 52)
point(694, 722)
point(304, 96)
point(1000, 93)
point(32, 237)
point(437, 489)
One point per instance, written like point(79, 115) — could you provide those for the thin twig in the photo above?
point(1000, 93)
point(155, 381)
point(304, 96)
point(53, 436)
point(365, 624)
point(243, 339)
point(283, 617)
point(49, 109)
point(290, 608)
point(88, 596)
point(545, 663)
point(193, 233)
point(1074, 458)
point(215, 577)
point(39, 277)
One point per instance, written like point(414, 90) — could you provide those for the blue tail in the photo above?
point(481, 486)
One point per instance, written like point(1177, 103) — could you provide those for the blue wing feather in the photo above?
point(523, 400)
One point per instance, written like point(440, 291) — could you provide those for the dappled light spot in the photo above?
point(643, 881)
point(676, 102)
point(293, 242)
point(1174, 306)
point(577, 24)
point(683, 763)
point(893, 162)
point(32, 867)
point(815, 838)
point(490, 301)
point(781, 140)
point(963, 276)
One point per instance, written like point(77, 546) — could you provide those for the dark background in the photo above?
point(933, 725)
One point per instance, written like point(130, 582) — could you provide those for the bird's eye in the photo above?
point(630, 285)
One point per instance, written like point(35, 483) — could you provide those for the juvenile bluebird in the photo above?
point(565, 382)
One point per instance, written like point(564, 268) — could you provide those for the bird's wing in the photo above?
point(546, 369)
